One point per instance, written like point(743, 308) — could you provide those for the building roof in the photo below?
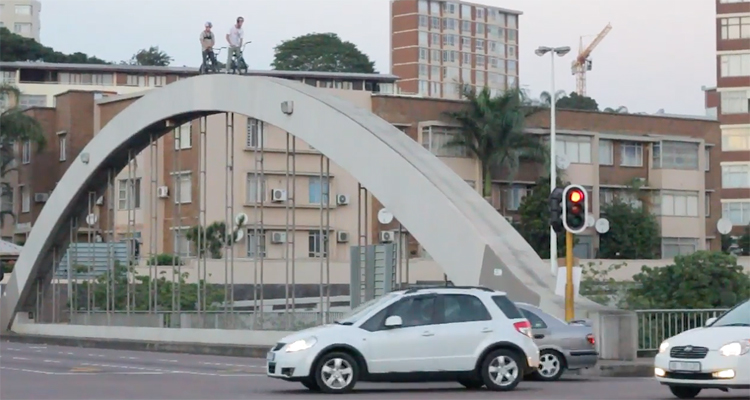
point(139, 69)
point(9, 249)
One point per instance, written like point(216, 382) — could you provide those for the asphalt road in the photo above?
point(39, 372)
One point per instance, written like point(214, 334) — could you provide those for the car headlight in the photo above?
point(737, 348)
point(302, 344)
point(663, 346)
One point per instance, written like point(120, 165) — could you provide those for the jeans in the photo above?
point(232, 52)
point(208, 54)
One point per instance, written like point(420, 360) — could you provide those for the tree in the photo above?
point(545, 98)
point(324, 52)
point(744, 242)
point(704, 279)
point(492, 131)
point(574, 101)
point(15, 127)
point(151, 57)
point(535, 217)
point(633, 232)
point(214, 237)
point(18, 48)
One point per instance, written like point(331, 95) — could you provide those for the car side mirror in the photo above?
point(710, 321)
point(393, 321)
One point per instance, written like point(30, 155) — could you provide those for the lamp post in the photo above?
point(559, 51)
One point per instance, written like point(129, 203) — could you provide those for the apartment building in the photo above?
point(439, 46)
point(22, 17)
point(673, 157)
point(733, 87)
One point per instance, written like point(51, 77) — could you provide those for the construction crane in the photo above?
point(582, 63)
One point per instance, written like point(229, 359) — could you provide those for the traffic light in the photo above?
point(575, 208)
point(555, 210)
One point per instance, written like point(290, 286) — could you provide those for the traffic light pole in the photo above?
point(569, 289)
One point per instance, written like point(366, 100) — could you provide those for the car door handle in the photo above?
point(427, 333)
point(486, 330)
point(538, 336)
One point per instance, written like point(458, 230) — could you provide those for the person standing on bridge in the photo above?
point(235, 38)
point(207, 44)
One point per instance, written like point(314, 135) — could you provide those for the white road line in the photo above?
point(38, 347)
point(20, 358)
point(52, 361)
point(162, 360)
point(129, 358)
point(233, 365)
point(170, 371)
point(33, 371)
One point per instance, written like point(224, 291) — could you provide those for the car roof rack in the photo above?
point(417, 289)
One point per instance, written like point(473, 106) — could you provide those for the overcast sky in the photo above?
point(658, 54)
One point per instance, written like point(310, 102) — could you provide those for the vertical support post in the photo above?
point(130, 204)
point(321, 241)
point(328, 241)
point(176, 184)
point(110, 207)
point(294, 229)
point(286, 233)
point(552, 167)
point(230, 227)
point(201, 294)
point(90, 245)
point(153, 239)
point(262, 252)
point(260, 187)
point(228, 220)
point(569, 289)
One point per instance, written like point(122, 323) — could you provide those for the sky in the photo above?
point(658, 54)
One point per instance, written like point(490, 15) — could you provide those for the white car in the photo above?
point(475, 336)
point(716, 356)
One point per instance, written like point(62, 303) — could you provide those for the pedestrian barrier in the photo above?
point(655, 326)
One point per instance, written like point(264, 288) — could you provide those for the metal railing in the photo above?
point(655, 326)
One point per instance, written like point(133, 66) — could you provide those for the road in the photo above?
point(41, 372)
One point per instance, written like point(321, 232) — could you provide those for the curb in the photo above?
point(607, 369)
point(186, 348)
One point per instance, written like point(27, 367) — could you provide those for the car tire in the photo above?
point(471, 383)
point(311, 384)
point(336, 372)
point(502, 370)
point(551, 366)
point(685, 392)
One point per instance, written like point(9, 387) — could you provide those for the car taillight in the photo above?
point(591, 339)
point(524, 327)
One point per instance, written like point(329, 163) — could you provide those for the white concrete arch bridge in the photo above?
point(469, 239)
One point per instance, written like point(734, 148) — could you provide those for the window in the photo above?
point(182, 246)
point(466, 75)
point(415, 311)
point(676, 155)
point(707, 156)
point(735, 176)
point(735, 139)
point(423, 7)
point(608, 196)
point(424, 88)
point(676, 204)
point(436, 138)
point(512, 21)
point(26, 152)
point(25, 199)
point(21, 28)
point(423, 71)
point(734, 102)
point(435, 73)
point(256, 189)
point(465, 27)
point(536, 322)
point(318, 189)
point(606, 152)
point(735, 65)
point(317, 244)
point(8, 77)
point(256, 243)
point(450, 24)
point(458, 308)
point(63, 144)
point(707, 205)
point(631, 154)
point(184, 187)
point(183, 137)
point(507, 307)
point(435, 8)
point(129, 198)
point(480, 63)
point(7, 199)
point(23, 9)
point(32, 100)
point(735, 28)
point(435, 55)
point(450, 8)
point(254, 133)
point(465, 45)
point(512, 51)
point(424, 22)
point(576, 148)
point(423, 39)
point(480, 29)
point(465, 11)
point(479, 45)
point(86, 79)
point(157, 81)
point(737, 212)
point(514, 197)
point(672, 247)
point(512, 67)
point(435, 88)
point(135, 80)
point(435, 23)
point(423, 54)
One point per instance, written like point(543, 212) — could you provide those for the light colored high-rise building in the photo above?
point(439, 46)
point(22, 17)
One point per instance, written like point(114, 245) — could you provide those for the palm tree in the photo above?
point(15, 126)
point(545, 98)
point(492, 131)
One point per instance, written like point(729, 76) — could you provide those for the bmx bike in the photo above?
point(208, 66)
point(238, 65)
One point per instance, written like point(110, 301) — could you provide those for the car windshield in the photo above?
point(738, 316)
point(363, 309)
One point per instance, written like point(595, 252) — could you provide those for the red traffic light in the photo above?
point(576, 196)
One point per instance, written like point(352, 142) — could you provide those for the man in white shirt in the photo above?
point(235, 38)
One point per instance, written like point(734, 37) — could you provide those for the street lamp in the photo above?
point(560, 51)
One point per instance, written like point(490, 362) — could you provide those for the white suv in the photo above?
point(472, 335)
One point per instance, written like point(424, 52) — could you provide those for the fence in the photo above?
point(655, 326)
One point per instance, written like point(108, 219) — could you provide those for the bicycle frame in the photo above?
point(237, 58)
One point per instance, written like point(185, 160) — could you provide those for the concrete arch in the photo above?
point(462, 232)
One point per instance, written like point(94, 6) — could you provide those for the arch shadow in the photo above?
point(471, 241)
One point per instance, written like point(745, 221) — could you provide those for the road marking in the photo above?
point(52, 361)
point(20, 358)
point(85, 369)
point(167, 360)
point(233, 365)
point(33, 371)
point(172, 371)
point(38, 347)
point(129, 358)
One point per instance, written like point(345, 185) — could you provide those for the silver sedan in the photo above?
point(561, 345)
